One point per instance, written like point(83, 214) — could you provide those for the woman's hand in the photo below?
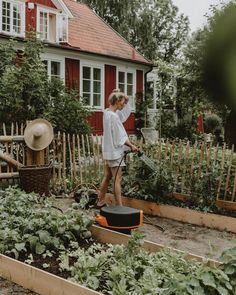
point(134, 148)
point(126, 99)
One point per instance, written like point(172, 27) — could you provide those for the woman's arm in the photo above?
point(124, 113)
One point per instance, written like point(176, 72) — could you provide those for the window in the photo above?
point(92, 86)
point(12, 17)
point(126, 85)
point(52, 26)
point(54, 68)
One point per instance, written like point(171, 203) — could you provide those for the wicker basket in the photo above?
point(35, 179)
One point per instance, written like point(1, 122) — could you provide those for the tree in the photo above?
point(26, 93)
point(208, 73)
point(24, 85)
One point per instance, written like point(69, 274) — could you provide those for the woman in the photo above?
point(115, 139)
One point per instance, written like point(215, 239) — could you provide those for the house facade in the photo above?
point(81, 49)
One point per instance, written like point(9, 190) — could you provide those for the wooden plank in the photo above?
point(7, 158)
point(73, 157)
point(229, 172)
point(222, 171)
point(185, 215)
point(59, 153)
point(112, 237)
point(234, 188)
point(64, 160)
point(70, 156)
point(228, 205)
point(9, 175)
point(38, 280)
point(79, 158)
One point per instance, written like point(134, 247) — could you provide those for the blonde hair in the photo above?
point(116, 95)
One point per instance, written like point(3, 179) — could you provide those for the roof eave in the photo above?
point(66, 47)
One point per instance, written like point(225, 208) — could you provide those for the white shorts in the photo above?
point(115, 163)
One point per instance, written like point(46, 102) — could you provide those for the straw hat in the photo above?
point(38, 134)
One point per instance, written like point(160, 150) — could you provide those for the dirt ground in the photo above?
point(197, 240)
point(186, 237)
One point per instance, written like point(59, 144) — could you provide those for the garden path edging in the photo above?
point(39, 281)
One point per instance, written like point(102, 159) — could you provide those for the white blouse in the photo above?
point(114, 134)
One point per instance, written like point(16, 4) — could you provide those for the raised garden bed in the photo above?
point(102, 267)
point(45, 283)
point(180, 214)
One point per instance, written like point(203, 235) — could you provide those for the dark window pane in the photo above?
point(97, 74)
point(129, 89)
point(121, 87)
point(129, 78)
point(97, 87)
point(86, 86)
point(97, 100)
point(121, 77)
point(86, 72)
point(55, 68)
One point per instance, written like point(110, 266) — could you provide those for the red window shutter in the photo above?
point(110, 81)
point(72, 73)
point(30, 18)
point(139, 81)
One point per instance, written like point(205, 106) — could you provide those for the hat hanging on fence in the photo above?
point(38, 134)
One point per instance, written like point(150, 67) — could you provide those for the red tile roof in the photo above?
point(88, 32)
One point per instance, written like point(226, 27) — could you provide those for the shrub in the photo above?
point(211, 122)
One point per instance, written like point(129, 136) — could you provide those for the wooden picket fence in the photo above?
point(77, 159)
point(200, 163)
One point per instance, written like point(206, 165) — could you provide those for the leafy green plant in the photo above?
point(66, 110)
point(119, 269)
point(194, 172)
point(26, 93)
point(33, 225)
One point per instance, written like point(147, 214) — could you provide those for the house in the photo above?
point(85, 52)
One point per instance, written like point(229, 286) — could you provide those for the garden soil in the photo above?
point(194, 239)
point(186, 237)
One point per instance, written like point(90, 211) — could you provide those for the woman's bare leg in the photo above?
point(104, 184)
point(117, 175)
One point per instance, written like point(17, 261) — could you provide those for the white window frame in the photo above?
point(59, 25)
point(92, 66)
point(50, 58)
point(22, 19)
point(127, 71)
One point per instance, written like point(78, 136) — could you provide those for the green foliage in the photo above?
point(24, 84)
point(119, 269)
point(211, 122)
point(219, 58)
point(194, 171)
point(26, 93)
point(141, 111)
point(66, 110)
point(30, 224)
point(228, 259)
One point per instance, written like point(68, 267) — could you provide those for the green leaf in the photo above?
point(20, 246)
point(44, 236)
point(208, 279)
point(40, 249)
point(222, 291)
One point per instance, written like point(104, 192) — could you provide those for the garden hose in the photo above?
point(140, 154)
